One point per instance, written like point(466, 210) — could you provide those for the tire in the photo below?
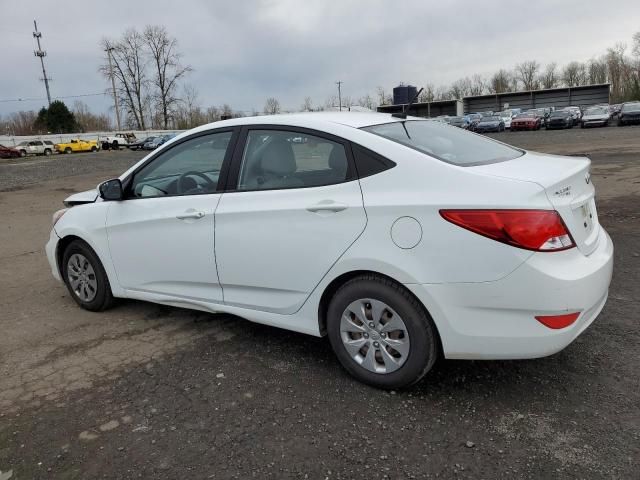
point(418, 335)
point(94, 149)
point(582, 125)
point(73, 260)
point(23, 153)
point(620, 123)
point(68, 150)
point(114, 145)
point(47, 152)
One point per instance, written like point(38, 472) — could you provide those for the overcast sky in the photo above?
point(245, 51)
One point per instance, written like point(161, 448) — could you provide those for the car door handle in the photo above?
point(190, 215)
point(327, 206)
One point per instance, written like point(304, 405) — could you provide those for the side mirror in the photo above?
point(111, 190)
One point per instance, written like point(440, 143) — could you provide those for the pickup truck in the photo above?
point(77, 145)
point(35, 147)
point(118, 140)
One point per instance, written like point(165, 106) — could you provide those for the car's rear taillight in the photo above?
point(539, 230)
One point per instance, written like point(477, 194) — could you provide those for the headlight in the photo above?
point(58, 215)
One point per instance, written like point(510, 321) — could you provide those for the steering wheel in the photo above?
point(182, 188)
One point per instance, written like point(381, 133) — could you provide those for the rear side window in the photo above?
point(369, 163)
point(446, 143)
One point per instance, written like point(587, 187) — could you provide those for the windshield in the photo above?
point(559, 114)
point(627, 107)
point(597, 111)
point(449, 144)
point(490, 119)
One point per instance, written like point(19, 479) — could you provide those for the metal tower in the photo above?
point(41, 53)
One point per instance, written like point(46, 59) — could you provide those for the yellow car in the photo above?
point(76, 145)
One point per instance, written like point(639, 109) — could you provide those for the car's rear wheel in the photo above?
point(85, 277)
point(115, 145)
point(23, 153)
point(47, 151)
point(94, 149)
point(380, 333)
point(67, 150)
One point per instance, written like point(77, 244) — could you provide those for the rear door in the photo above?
point(292, 208)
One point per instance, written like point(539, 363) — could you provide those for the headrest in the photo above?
point(338, 160)
point(278, 158)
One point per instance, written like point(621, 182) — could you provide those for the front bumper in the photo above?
point(495, 320)
point(51, 248)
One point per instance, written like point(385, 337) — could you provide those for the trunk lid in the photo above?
point(567, 184)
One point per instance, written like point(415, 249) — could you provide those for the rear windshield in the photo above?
point(446, 143)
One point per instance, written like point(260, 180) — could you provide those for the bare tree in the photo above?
point(167, 70)
point(597, 71)
point(20, 123)
point(527, 73)
point(443, 93)
point(500, 81)
point(428, 94)
point(271, 106)
point(478, 85)
point(367, 102)
point(574, 74)
point(88, 121)
point(549, 77)
point(307, 106)
point(383, 97)
point(129, 64)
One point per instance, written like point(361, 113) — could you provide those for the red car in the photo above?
point(526, 121)
point(6, 152)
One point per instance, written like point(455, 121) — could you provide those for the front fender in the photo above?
point(88, 222)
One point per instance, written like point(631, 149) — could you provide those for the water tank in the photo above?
point(403, 94)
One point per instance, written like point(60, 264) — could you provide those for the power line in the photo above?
point(33, 99)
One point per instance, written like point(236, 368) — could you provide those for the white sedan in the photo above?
point(400, 239)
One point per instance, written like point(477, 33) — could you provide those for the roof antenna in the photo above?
point(405, 109)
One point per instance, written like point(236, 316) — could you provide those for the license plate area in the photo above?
point(585, 216)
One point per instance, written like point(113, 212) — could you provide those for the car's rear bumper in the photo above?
point(50, 249)
point(496, 320)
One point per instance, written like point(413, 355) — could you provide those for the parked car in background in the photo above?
point(559, 119)
point(490, 124)
point(629, 113)
point(443, 118)
point(77, 145)
point(118, 140)
point(507, 116)
point(500, 267)
point(615, 109)
point(157, 141)
point(526, 121)
point(474, 118)
point(460, 122)
point(595, 117)
point(139, 144)
point(576, 112)
point(543, 113)
point(8, 152)
point(35, 147)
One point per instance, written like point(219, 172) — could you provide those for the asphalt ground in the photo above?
point(148, 391)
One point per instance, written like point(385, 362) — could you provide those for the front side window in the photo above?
point(274, 159)
point(190, 168)
point(451, 145)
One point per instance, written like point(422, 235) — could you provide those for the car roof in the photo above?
point(311, 120)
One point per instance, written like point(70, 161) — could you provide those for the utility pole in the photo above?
point(339, 83)
point(113, 87)
point(41, 54)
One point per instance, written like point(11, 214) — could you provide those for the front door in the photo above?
point(161, 236)
point(296, 208)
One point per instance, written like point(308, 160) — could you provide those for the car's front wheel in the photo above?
point(85, 277)
point(380, 332)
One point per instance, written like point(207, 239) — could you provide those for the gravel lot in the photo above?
point(147, 391)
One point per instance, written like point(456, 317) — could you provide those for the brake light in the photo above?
point(558, 321)
point(538, 230)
